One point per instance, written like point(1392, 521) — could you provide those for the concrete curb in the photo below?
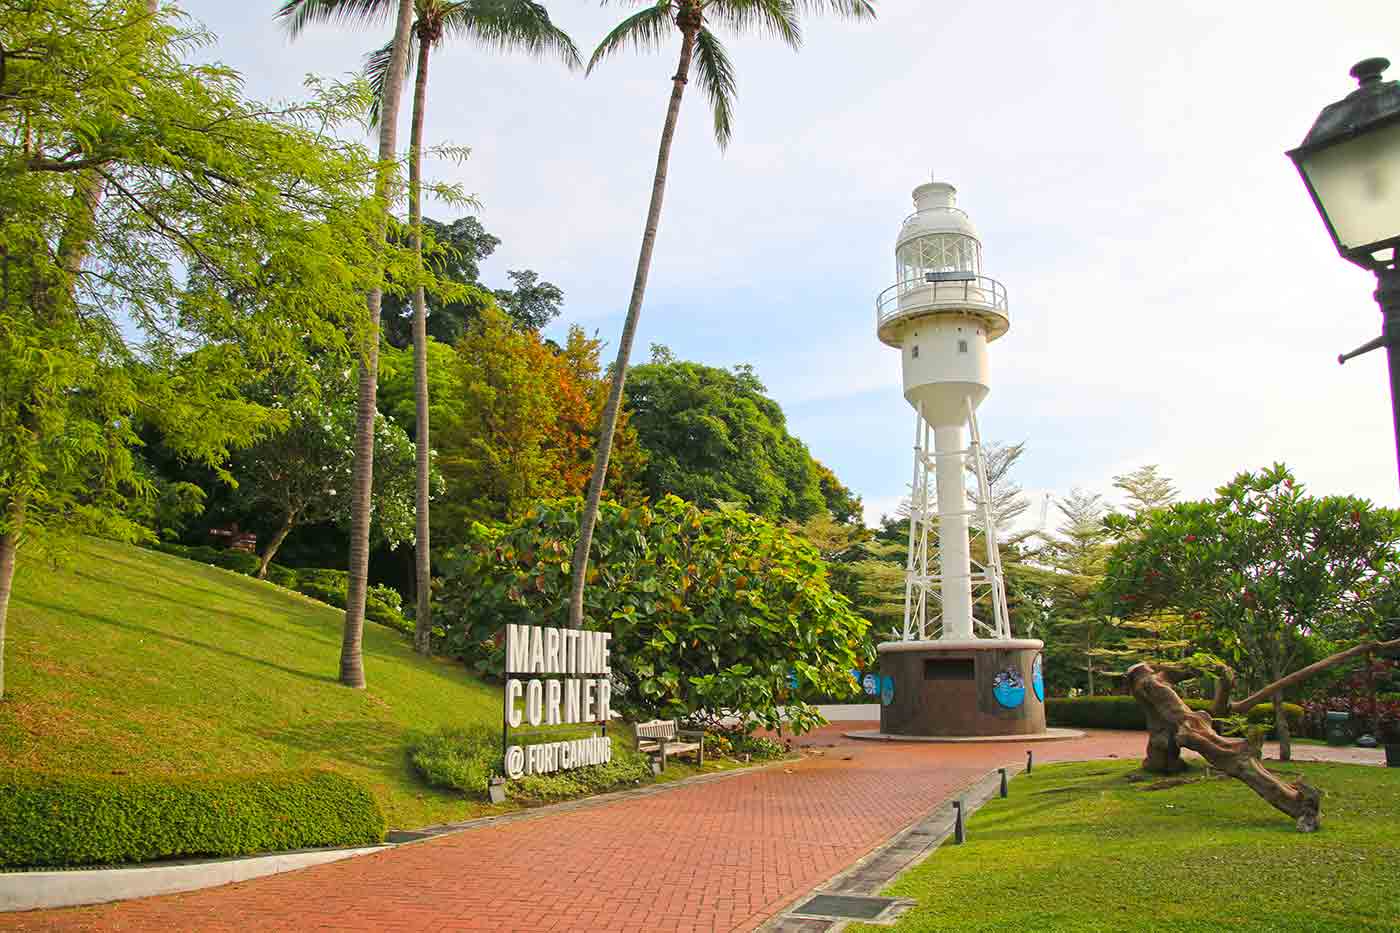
point(880, 867)
point(34, 890)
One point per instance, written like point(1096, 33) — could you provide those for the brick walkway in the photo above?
point(719, 855)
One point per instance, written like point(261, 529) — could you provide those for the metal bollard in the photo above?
point(1030, 760)
point(1004, 789)
point(959, 829)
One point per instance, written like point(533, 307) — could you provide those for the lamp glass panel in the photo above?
point(1358, 184)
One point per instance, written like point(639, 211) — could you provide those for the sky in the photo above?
point(1174, 296)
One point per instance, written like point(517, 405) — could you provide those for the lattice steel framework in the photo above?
point(923, 605)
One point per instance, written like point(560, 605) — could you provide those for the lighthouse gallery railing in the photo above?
point(940, 290)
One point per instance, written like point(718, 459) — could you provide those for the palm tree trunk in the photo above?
point(271, 550)
point(9, 546)
point(422, 622)
point(352, 669)
point(629, 330)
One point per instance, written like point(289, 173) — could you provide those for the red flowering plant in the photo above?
point(1381, 711)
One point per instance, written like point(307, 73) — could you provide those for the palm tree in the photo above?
point(646, 29)
point(352, 669)
point(507, 25)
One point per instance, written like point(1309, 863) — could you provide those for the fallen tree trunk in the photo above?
point(1172, 726)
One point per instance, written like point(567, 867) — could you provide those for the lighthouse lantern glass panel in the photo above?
point(939, 252)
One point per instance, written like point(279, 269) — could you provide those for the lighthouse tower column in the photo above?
point(954, 553)
point(955, 669)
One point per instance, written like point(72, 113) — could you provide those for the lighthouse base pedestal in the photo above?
point(978, 688)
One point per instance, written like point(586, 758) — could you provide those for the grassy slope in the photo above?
point(126, 660)
point(1078, 848)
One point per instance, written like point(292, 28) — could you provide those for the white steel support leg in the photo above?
point(925, 510)
point(995, 578)
point(913, 619)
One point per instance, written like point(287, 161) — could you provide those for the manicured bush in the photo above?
point(284, 577)
point(464, 759)
point(237, 561)
point(459, 758)
point(628, 768)
point(1107, 712)
point(1264, 713)
point(759, 747)
point(61, 820)
point(382, 603)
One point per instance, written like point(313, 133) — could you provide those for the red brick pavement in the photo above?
point(719, 855)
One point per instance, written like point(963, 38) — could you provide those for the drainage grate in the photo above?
point(844, 907)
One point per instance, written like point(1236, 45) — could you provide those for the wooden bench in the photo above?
point(664, 737)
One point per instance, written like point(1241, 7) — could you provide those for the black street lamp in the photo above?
point(1350, 161)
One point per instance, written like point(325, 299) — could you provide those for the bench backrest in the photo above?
point(657, 729)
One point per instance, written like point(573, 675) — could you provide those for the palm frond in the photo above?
point(643, 30)
point(510, 26)
point(846, 9)
point(377, 72)
point(776, 18)
point(716, 75)
point(296, 15)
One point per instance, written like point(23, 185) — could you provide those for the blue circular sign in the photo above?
point(1037, 679)
point(886, 691)
point(1009, 687)
point(871, 683)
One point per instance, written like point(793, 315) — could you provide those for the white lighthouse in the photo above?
point(954, 669)
point(941, 313)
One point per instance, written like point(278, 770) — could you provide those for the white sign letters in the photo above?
point(582, 694)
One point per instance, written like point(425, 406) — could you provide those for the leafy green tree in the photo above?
point(506, 24)
point(712, 435)
point(1008, 500)
point(710, 611)
point(303, 473)
point(1075, 557)
point(454, 253)
point(645, 30)
point(1264, 566)
point(1156, 635)
point(518, 426)
point(532, 303)
point(1146, 489)
point(147, 208)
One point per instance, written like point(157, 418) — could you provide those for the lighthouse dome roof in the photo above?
point(936, 211)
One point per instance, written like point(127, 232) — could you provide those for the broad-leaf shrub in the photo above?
point(59, 820)
point(710, 611)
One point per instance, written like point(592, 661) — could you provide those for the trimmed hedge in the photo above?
point(52, 820)
point(1123, 712)
point(1108, 712)
point(1264, 714)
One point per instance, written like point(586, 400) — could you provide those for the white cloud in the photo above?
point(1174, 297)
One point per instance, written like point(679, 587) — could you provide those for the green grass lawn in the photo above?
point(1079, 847)
point(124, 660)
